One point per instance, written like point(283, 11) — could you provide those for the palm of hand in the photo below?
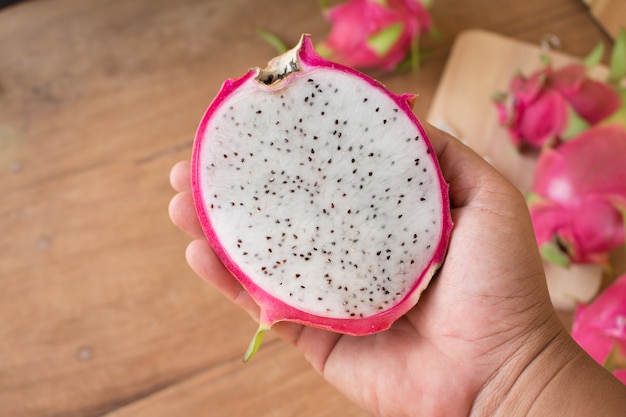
point(439, 356)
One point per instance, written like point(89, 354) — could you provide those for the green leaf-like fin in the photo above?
point(545, 59)
point(278, 44)
point(382, 41)
point(534, 198)
point(615, 360)
point(551, 252)
point(254, 345)
point(575, 124)
point(618, 58)
point(594, 57)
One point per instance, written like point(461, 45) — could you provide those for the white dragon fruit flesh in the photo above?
point(319, 191)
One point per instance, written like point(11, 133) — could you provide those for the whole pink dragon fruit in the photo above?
point(578, 197)
point(318, 189)
point(600, 328)
point(551, 105)
point(375, 33)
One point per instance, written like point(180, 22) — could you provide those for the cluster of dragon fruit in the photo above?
point(577, 127)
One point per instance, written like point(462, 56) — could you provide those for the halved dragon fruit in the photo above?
point(319, 190)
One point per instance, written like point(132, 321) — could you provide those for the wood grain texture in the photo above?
point(611, 14)
point(99, 313)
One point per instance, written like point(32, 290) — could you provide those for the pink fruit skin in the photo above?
point(355, 21)
point(581, 187)
point(600, 327)
point(536, 110)
point(272, 309)
point(592, 100)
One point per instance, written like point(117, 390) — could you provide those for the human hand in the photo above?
point(483, 326)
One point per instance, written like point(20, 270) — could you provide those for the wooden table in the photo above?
point(99, 313)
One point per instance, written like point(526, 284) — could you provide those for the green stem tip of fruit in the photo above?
point(256, 342)
point(274, 41)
